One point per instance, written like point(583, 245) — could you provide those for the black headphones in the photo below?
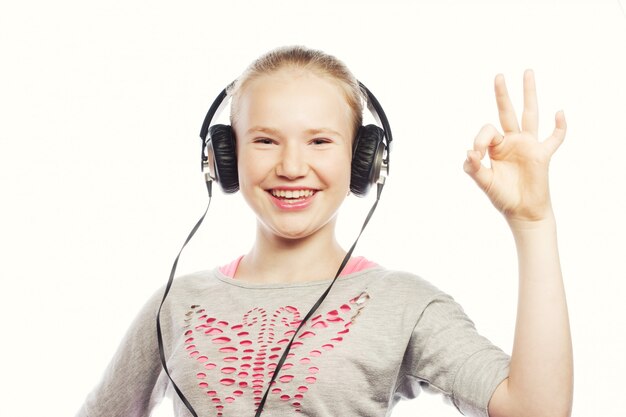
point(370, 153)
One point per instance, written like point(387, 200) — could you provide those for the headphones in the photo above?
point(370, 154)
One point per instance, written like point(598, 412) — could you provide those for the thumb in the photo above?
point(479, 173)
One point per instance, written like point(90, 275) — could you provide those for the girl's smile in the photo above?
point(292, 198)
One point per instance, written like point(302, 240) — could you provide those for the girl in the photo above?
point(380, 335)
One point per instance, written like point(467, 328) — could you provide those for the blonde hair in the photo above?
point(300, 57)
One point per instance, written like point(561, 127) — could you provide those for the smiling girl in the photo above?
point(380, 335)
point(294, 135)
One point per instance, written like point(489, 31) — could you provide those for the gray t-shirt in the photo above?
point(380, 336)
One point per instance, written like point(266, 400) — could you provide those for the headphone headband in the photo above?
point(218, 104)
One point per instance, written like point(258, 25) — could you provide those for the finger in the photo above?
point(479, 173)
point(558, 135)
point(530, 115)
point(488, 136)
point(508, 120)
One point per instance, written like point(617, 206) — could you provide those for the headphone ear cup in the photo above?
point(366, 159)
point(223, 143)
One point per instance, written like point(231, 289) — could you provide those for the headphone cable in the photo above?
point(209, 185)
point(259, 410)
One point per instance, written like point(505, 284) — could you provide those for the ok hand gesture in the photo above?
point(517, 181)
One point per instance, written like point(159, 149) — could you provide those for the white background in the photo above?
point(101, 104)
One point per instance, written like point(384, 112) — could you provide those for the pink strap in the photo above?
point(229, 269)
point(355, 264)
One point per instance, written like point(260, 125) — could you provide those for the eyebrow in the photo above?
point(323, 130)
point(263, 130)
point(276, 132)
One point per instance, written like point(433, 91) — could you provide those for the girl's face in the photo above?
point(294, 140)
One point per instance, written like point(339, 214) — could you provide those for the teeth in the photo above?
point(292, 193)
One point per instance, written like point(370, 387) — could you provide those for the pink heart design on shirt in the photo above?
point(238, 360)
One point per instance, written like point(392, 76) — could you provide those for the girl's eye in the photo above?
point(264, 141)
point(320, 141)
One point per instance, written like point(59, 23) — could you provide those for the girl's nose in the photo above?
point(292, 163)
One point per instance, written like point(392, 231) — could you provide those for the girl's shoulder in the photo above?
point(407, 284)
point(197, 281)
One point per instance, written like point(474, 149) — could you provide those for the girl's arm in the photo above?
point(133, 382)
point(540, 381)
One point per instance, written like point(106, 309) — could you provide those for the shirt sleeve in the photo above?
point(445, 354)
point(132, 384)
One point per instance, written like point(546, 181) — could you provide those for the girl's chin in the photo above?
point(294, 231)
point(291, 234)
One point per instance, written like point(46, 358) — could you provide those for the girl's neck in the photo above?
point(273, 259)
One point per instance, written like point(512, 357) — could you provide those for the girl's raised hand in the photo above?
point(517, 181)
